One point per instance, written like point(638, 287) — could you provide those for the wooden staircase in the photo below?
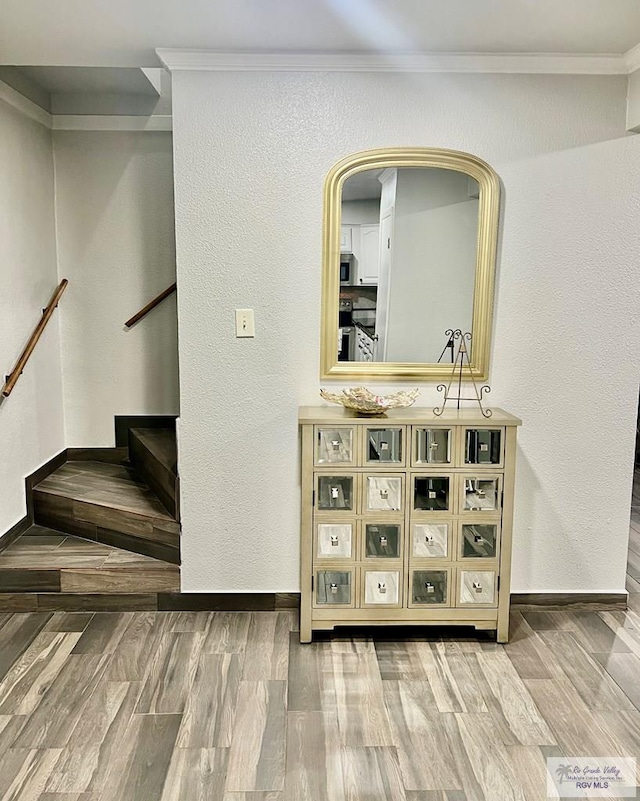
point(106, 533)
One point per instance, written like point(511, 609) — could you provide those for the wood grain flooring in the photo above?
point(229, 706)
point(157, 706)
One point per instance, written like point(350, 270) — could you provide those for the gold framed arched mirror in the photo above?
point(409, 251)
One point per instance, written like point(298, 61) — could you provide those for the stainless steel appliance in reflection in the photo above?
point(347, 269)
point(346, 332)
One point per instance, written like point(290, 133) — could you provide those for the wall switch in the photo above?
point(245, 324)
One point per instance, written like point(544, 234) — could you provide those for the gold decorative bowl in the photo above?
point(363, 401)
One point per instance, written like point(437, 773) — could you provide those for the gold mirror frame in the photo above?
point(488, 218)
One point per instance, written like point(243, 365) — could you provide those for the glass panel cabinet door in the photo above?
point(430, 540)
point(382, 540)
point(336, 492)
point(334, 541)
point(477, 587)
point(479, 540)
point(384, 445)
point(481, 495)
point(333, 588)
point(433, 446)
point(334, 446)
point(483, 446)
point(431, 494)
point(382, 587)
point(429, 588)
point(384, 493)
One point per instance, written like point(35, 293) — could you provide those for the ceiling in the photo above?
point(90, 80)
point(125, 33)
point(362, 186)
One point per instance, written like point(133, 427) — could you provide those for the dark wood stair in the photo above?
point(154, 454)
point(110, 504)
point(46, 561)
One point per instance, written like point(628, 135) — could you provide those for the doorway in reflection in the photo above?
point(409, 236)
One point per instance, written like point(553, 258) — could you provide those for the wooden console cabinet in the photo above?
point(406, 518)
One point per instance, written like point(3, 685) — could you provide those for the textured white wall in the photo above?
point(115, 225)
point(251, 153)
point(31, 419)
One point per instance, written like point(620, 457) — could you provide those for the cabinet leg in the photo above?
point(306, 635)
point(503, 631)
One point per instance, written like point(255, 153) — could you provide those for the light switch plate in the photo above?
point(245, 323)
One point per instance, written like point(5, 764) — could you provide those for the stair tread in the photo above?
point(45, 549)
point(161, 442)
point(103, 484)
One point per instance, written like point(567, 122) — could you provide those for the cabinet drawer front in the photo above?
point(430, 540)
point(335, 541)
point(335, 493)
point(484, 446)
point(384, 493)
point(478, 540)
point(381, 588)
point(432, 494)
point(477, 588)
point(384, 445)
point(334, 445)
point(432, 445)
point(429, 588)
point(334, 588)
point(382, 540)
point(481, 494)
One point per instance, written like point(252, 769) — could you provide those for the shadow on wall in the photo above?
point(116, 235)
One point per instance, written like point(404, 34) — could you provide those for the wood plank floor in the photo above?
point(228, 706)
point(163, 706)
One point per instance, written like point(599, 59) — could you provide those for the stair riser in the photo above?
point(59, 516)
point(90, 581)
point(145, 547)
point(158, 476)
point(84, 520)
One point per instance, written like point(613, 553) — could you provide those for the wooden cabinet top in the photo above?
point(414, 415)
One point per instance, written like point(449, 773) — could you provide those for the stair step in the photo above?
point(154, 453)
point(44, 561)
point(107, 503)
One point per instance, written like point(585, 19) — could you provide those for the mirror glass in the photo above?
point(407, 263)
point(409, 254)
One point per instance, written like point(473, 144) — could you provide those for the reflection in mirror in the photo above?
point(408, 256)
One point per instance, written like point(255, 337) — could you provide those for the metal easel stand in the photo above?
point(458, 365)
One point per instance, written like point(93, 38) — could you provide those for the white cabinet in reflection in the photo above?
point(382, 587)
point(481, 494)
point(430, 540)
point(384, 493)
point(334, 446)
point(334, 541)
point(406, 519)
point(477, 587)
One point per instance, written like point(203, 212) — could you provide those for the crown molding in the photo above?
point(97, 122)
point(523, 63)
point(632, 59)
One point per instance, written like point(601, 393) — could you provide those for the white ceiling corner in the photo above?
point(632, 59)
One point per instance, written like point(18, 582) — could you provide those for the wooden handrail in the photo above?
point(14, 375)
point(150, 306)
